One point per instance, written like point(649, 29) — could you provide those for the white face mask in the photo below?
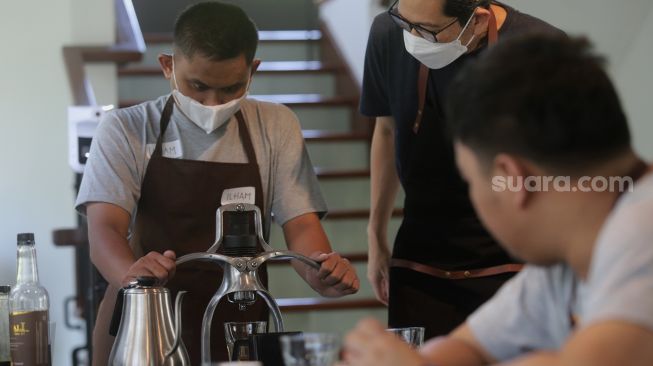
point(208, 118)
point(436, 55)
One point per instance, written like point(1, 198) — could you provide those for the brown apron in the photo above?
point(176, 212)
point(422, 85)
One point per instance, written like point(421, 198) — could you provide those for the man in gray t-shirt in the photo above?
point(542, 140)
point(157, 173)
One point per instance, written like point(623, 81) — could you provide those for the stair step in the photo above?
point(291, 100)
point(342, 151)
point(328, 118)
point(150, 87)
point(263, 36)
point(267, 67)
point(321, 304)
point(353, 257)
point(266, 51)
point(325, 173)
point(345, 236)
point(329, 136)
point(308, 100)
point(357, 214)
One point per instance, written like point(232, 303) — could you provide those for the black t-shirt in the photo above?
point(440, 226)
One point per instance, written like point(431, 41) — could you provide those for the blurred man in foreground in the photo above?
point(542, 140)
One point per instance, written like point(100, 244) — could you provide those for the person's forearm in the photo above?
point(446, 351)
point(109, 251)
point(384, 182)
point(459, 348)
point(111, 254)
point(305, 235)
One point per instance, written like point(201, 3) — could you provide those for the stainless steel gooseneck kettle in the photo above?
point(148, 334)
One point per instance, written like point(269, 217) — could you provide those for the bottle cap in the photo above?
point(25, 237)
point(5, 289)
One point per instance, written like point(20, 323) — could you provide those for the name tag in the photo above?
point(238, 195)
point(170, 149)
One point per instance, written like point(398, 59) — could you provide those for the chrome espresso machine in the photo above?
point(158, 336)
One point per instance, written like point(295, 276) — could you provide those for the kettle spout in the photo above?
point(175, 345)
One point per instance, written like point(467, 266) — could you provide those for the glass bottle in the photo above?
point(28, 304)
point(5, 360)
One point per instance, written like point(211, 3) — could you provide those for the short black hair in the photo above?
point(463, 9)
point(543, 97)
point(215, 30)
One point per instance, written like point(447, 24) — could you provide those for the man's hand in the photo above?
point(154, 264)
point(336, 277)
point(369, 344)
point(378, 270)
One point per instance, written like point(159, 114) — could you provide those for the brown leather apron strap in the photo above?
point(423, 75)
point(455, 275)
point(243, 131)
point(492, 29)
point(422, 81)
point(163, 125)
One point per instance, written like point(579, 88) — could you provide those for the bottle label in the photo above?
point(28, 338)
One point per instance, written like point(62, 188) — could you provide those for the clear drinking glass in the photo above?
point(310, 349)
point(236, 334)
point(411, 335)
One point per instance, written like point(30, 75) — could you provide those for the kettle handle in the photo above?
point(177, 342)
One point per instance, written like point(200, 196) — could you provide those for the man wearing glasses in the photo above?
point(444, 262)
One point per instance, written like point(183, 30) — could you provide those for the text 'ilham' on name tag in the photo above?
point(238, 195)
point(170, 149)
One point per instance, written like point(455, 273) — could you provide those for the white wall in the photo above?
point(349, 22)
point(621, 30)
point(36, 184)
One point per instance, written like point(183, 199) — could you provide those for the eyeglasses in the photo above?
point(408, 26)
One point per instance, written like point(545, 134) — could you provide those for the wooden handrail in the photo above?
point(70, 237)
point(129, 46)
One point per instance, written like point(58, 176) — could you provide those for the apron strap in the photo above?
point(246, 139)
point(242, 130)
point(423, 76)
point(492, 30)
point(163, 125)
point(422, 82)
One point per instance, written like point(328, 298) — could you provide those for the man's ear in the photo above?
point(480, 22)
point(165, 61)
point(515, 172)
point(255, 64)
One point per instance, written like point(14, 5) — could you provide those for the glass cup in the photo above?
point(310, 349)
point(411, 335)
point(236, 334)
